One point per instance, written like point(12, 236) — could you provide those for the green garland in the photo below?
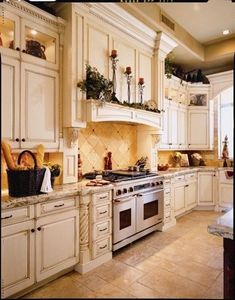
point(136, 105)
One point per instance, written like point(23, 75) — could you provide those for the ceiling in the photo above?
point(204, 21)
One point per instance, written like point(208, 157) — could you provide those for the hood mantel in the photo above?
point(96, 111)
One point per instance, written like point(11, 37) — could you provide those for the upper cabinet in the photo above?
point(30, 76)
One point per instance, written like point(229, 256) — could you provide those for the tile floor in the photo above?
point(183, 262)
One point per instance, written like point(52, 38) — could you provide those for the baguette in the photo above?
point(6, 149)
point(40, 155)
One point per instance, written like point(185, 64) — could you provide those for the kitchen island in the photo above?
point(224, 228)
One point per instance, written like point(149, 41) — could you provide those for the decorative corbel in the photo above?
point(72, 137)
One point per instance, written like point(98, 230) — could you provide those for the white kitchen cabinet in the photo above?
point(56, 243)
point(182, 127)
point(10, 100)
point(225, 195)
point(191, 195)
point(200, 127)
point(173, 125)
point(30, 83)
point(18, 257)
point(206, 188)
point(179, 198)
point(165, 136)
point(39, 106)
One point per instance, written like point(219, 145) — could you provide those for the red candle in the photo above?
point(128, 70)
point(141, 80)
point(114, 53)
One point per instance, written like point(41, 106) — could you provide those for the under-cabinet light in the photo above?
point(226, 31)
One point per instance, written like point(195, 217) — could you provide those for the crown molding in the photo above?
point(33, 12)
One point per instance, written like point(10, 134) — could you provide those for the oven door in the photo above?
point(123, 218)
point(149, 209)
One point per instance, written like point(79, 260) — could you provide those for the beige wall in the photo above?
point(99, 138)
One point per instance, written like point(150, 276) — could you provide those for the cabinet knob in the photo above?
point(39, 228)
point(180, 144)
point(17, 49)
point(23, 140)
point(23, 51)
point(32, 230)
point(189, 144)
point(17, 140)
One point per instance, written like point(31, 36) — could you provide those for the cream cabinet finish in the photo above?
point(169, 218)
point(225, 195)
point(18, 257)
point(10, 95)
point(39, 106)
point(179, 198)
point(173, 125)
point(182, 127)
point(101, 224)
point(191, 195)
point(56, 243)
point(206, 188)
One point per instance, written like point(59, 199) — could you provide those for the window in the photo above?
point(226, 122)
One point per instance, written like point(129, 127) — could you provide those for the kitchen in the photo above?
point(46, 106)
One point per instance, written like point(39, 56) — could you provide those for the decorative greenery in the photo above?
point(140, 106)
point(95, 85)
point(169, 66)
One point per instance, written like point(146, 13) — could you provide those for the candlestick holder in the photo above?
point(114, 60)
point(128, 78)
point(141, 87)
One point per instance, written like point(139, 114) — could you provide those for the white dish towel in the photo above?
point(46, 183)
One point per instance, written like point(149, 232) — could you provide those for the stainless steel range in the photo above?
point(137, 205)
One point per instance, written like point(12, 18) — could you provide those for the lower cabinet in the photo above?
point(18, 257)
point(191, 195)
point(56, 243)
point(179, 198)
point(206, 187)
point(225, 195)
point(38, 248)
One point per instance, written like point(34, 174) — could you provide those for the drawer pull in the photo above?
point(59, 205)
point(103, 212)
point(103, 197)
point(103, 229)
point(32, 230)
point(39, 228)
point(168, 193)
point(103, 247)
point(186, 185)
point(7, 217)
point(168, 204)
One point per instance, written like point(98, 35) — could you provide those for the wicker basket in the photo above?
point(195, 162)
point(23, 183)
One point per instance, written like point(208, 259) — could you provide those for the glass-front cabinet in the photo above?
point(9, 31)
point(30, 39)
point(39, 42)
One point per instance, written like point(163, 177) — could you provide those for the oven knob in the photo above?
point(152, 184)
point(157, 183)
point(161, 182)
point(125, 191)
point(118, 192)
point(131, 189)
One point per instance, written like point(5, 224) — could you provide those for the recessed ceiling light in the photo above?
point(225, 32)
point(33, 32)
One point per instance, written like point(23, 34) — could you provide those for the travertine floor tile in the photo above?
point(183, 262)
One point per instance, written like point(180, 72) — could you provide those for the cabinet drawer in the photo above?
point(179, 178)
point(167, 192)
point(55, 206)
point(101, 247)
point(167, 216)
point(192, 176)
point(101, 229)
point(167, 181)
point(15, 215)
point(102, 197)
point(101, 212)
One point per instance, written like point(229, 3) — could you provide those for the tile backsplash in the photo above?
point(99, 138)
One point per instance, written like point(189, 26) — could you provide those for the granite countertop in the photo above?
point(65, 190)
point(223, 226)
point(185, 170)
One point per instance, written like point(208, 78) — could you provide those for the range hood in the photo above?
point(97, 111)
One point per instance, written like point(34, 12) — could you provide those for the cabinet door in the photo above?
point(226, 195)
point(206, 188)
point(179, 199)
point(165, 136)
point(39, 107)
point(173, 125)
point(198, 131)
point(10, 100)
point(191, 195)
point(182, 127)
point(17, 259)
point(57, 243)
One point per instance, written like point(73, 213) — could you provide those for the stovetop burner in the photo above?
point(121, 175)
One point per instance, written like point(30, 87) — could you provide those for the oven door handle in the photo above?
point(122, 201)
point(152, 192)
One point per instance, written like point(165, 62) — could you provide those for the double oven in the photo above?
point(137, 209)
